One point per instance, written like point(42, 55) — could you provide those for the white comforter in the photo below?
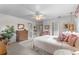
point(50, 43)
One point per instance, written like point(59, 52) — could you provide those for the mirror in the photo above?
point(21, 26)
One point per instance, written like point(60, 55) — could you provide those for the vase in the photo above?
point(5, 41)
point(3, 49)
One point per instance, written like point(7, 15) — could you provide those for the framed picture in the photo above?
point(21, 26)
point(70, 27)
point(66, 26)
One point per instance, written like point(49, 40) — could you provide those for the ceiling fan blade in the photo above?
point(29, 15)
point(29, 9)
point(38, 7)
point(35, 12)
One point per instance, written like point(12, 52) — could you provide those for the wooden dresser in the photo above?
point(21, 35)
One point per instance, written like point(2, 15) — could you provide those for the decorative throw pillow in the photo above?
point(69, 39)
point(77, 43)
point(66, 39)
point(62, 37)
point(72, 39)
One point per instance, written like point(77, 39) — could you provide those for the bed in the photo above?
point(50, 44)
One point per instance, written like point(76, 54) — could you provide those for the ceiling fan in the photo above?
point(36, 14)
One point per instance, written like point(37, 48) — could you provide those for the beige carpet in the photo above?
point(22, 48)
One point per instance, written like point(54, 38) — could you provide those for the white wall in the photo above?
point(77, 23)
point(64, 20)
point(60, 22)
point(11, 20)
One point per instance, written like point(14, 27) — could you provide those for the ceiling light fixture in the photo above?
point(38, 17)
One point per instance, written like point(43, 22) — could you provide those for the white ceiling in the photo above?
point(26, 11)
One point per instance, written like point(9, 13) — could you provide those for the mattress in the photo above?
point(49, 44)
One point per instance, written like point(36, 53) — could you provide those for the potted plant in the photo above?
point(8, 32)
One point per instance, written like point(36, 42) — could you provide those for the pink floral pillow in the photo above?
point(72, 39)
point(62, 37)
point(66, 39)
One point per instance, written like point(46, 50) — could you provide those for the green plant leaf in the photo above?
point(8, 31)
